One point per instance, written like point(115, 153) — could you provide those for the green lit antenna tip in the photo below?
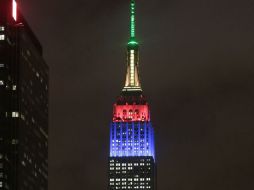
point(132, 11)
point(132, 41)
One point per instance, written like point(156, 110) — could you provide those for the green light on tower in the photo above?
point(133, 25)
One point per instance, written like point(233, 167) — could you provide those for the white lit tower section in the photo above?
point(132, 152)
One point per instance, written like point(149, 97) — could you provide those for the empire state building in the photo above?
point(132, 163)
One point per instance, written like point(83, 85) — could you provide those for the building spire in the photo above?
point(133, 32)
point(132, 40)
point(132, 82)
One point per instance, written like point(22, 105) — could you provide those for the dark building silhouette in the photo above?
point(23, 104)
point(132, 152)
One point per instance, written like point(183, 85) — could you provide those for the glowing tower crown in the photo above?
point(131, 130)
point(132, 149)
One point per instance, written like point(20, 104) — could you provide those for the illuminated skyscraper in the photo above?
point(23, 104)
point(132, 152)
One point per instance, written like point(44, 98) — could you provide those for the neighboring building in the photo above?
point(23, 104)
point(132, 153)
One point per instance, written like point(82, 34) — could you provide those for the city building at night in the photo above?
point(23, 104)
point(132, 163)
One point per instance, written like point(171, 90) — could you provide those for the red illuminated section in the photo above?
point(129, 113)
point(14, 10)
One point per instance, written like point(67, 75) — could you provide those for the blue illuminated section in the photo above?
point(129, 139)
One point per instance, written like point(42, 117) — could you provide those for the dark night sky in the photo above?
point(197, 69)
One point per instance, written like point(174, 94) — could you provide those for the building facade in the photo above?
point(132, 151)
point(23, 104)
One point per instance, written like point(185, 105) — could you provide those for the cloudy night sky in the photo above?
point(197, 71)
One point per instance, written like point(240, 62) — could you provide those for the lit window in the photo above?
point(14, 141)
point(1, 82)
point(15, 114)
point(1, 28)
point(22, 117)
point(2, 37)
